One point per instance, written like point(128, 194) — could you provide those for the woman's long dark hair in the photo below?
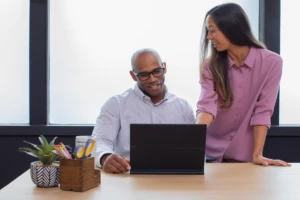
point(233, 22)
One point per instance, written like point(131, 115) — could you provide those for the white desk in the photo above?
point(226, 181)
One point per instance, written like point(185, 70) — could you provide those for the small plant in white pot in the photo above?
point(45, 172)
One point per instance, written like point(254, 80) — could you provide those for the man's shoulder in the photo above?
point(175, 98)
point(115, 102)
point(123, 96)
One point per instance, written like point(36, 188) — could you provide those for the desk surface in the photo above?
point(226, 181)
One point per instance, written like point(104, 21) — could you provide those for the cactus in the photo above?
point(44, 152)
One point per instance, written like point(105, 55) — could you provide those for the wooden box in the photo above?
point(78, 175)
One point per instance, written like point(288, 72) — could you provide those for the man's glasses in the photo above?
point(157, 72)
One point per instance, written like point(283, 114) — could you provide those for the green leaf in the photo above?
point(54, 151)
point(30, 151)
point(52, 142)
point(35, 146)
point(48, 160)
point(44, 152)
point(46, 147)
point(43, 141)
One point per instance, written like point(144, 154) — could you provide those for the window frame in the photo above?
point(269, 32)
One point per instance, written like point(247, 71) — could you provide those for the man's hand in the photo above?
point(115, 163)
point(260, 160)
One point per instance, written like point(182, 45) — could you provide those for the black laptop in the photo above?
point(167, 148)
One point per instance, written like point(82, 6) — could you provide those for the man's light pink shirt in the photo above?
point(255, 86)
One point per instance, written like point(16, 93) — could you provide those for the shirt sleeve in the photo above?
point(190, 117)
point(264, 106)
point(107, 128)
point(208, 97)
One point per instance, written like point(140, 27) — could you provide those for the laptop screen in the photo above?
point(167, 148)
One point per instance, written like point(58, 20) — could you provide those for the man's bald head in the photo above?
point(149, 72)
point(142, 52)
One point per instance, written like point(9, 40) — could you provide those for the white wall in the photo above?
point(14, 61)
point(289, 50)
point(91, 43)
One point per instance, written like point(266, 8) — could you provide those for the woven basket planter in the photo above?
point(44, 176)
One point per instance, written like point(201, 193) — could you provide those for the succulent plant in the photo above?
point(44, 152)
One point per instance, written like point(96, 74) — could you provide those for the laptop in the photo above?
point(167, 148)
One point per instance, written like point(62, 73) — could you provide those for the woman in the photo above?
point(239, 85)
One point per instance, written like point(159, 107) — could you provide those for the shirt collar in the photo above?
point(249, 60)
point(139, 93)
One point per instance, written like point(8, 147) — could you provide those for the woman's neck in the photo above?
point(238, 54)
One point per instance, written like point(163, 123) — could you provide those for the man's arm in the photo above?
point(103, 158)
point(106, 131)
point(107, 128)
point(114, 163)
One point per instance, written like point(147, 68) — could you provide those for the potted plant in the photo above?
point(45, 172)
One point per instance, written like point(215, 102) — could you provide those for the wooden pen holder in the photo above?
point(78, 175)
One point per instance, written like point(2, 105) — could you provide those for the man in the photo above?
point(148, 102)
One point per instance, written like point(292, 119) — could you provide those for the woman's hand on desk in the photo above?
point(260, 160)
point(115, 163)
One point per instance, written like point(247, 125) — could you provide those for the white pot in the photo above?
point(44, 176)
